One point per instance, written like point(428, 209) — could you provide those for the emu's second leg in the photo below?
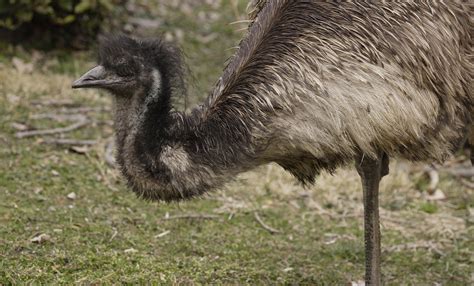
point(471, 143)
point(371, 172)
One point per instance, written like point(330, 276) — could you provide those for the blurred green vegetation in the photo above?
point(50, 24)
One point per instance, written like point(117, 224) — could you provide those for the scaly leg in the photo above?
point(471, 143)
point(371, 172)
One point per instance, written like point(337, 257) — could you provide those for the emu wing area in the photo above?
point(328, 79)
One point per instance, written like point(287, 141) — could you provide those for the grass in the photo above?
point(106, 235)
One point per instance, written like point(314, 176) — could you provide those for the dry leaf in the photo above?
point(130, 250)
point(79, 149)
point(41, 238)
point(330, 240)
point(72, 196)
point(437, 195)
point(19, 126)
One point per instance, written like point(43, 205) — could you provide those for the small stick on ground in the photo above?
point(55, 102)
point(192, 216)
point(265, 226)
point(70, 142)
point(166, 232)
point(460, 172)
point(59, 117)
point(468, 184)
point(41, 132)
point(84, 109)
point(113, 235)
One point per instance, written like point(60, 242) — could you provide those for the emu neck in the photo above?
point(167, 155)
point(154, 121)
point(142, 122)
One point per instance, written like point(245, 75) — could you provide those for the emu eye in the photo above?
point(124, 71)
point(124, 67)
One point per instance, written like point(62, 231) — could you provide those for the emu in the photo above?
point(314, 85)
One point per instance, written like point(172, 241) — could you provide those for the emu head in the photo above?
point(123, 67)
point(127, 66)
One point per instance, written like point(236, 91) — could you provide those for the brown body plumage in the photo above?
point(315, 83)
point(358, 77)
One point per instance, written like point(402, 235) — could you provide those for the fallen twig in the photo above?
point(468, 184)
point(70, 142)
point(460, 172)
point(55, 102)
point(59, 117)
point(113, 235)
point(162, 234)
point(69, 128)
point(192, 216)
point(83, 109)
point(265, 226)
point(430, 246)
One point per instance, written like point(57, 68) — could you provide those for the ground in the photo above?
point(66, 216)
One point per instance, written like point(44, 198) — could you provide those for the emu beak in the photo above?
point(96, 77)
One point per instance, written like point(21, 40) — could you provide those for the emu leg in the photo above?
point(471, 143)
point(371, 172)
point(472, 155)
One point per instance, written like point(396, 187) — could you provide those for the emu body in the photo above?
point(314, 85)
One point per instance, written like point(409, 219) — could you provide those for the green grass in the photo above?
point(107, 235)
